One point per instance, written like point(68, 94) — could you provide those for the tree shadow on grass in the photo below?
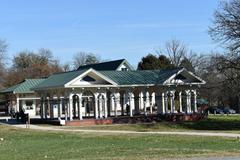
point(213, 124)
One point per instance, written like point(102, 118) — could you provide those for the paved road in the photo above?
point(191, 133)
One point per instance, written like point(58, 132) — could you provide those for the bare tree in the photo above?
point(226, 30)
point(3, 50)
point(175, 50)
point(84, 58)
point(66, 67)
point(79, 59)
point(226, 24)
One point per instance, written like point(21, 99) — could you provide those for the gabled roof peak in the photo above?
point(108, 65)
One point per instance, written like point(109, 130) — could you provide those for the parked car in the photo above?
point(215, 110)
point(228, 110)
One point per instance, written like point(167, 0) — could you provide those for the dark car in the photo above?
point(228, 110)
point(215, 110)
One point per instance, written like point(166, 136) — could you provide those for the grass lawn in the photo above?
point(32, 144)
point(221, 123)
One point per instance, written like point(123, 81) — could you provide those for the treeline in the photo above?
point(29, 64)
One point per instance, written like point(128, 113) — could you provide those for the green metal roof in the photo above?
point(119, 77)
point(140, 76)
point(23, 87)
point(106, 66)
point(59, 79)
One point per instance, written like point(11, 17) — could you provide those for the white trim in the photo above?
point(29, 98)
point(167, 82)
point(67, 85)
point(125, 62)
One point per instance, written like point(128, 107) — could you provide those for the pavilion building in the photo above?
point(113, 89)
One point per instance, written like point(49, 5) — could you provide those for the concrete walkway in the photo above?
point(191, 133)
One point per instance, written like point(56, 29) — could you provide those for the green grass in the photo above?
point(29, 144)
point(32, 144)
point(218, 123)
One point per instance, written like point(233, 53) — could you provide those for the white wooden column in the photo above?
point(66, 110)
point(59, 108)
point(80, 107)
point(44, 108)
point(96, 106)
point(147, 101)
point(152, 102)
point(115, 104)
point(188, 93)
point(180, 102)
point(172, 102)
point(153, 99)
point(105, 106)
point(145, 108)
point(125, 101)
point(112, 104)
point(163, 103)
point(70, 101)
point(17, 103)
point(131, 103)
point(195, 101)
point(75, 108)
point(166, 101)
point(141, 101)
point(100, 106)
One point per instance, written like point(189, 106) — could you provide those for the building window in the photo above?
point(88, 79)
point(124, 69)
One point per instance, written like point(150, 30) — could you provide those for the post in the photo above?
point(163, 103)
point(66, 111)
point(195, 101)
point(141, 103)
point(80, 107)
point(153, 98)
point(172, 96)
point(96, 106)
point(188, 93)
point(180, 102)
point(115, 104)
point(100, 104)
point(112, 105)
point(147, 102)
point(105, 106)
point(59, 108)
point(131, 104)
point(70, 107)
point(17, 103)
point(166, 101)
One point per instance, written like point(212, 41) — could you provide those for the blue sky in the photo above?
point(112, 29)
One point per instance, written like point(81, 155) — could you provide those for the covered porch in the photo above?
point(98, 95)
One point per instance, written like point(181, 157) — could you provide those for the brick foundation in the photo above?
point(177, 117)
point(86, 122)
